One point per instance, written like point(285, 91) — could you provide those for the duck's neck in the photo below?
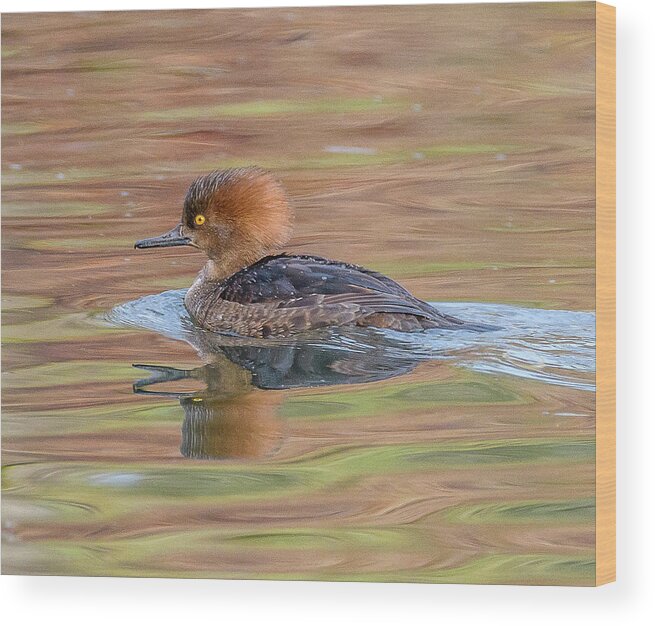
point(218, 270)
point(202, 295)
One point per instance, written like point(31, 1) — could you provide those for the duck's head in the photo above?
point(236, 216)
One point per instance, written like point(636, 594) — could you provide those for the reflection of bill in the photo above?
point(232, 418)
point(227, 419)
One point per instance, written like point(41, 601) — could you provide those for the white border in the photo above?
point(97, 601)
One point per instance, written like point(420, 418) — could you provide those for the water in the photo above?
point(456, 159)
point(551, 346)
point(345, 454)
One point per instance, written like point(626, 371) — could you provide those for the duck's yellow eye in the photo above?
point(199, 219)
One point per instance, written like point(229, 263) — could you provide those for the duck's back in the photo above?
point(284, 294)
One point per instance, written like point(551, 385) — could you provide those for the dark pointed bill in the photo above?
point(171, 238)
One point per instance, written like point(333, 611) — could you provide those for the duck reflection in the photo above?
point(234, 416)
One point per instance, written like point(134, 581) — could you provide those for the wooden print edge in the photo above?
point(605, 293)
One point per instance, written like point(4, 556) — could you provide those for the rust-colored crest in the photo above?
point(245, 207)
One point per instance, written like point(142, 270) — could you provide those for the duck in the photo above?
point(241, 218)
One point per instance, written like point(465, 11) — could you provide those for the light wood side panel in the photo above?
point(605, 293)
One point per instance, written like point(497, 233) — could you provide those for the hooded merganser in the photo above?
point(239, 218)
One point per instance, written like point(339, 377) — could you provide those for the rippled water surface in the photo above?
point(449, 147)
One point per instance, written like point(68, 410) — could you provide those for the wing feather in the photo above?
point(284, 294)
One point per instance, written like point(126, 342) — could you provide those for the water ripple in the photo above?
point(554, 347)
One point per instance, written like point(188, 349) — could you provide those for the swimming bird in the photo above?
point(240, 218)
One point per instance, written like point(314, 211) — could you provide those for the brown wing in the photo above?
point(300, 280)
point(287, 294)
